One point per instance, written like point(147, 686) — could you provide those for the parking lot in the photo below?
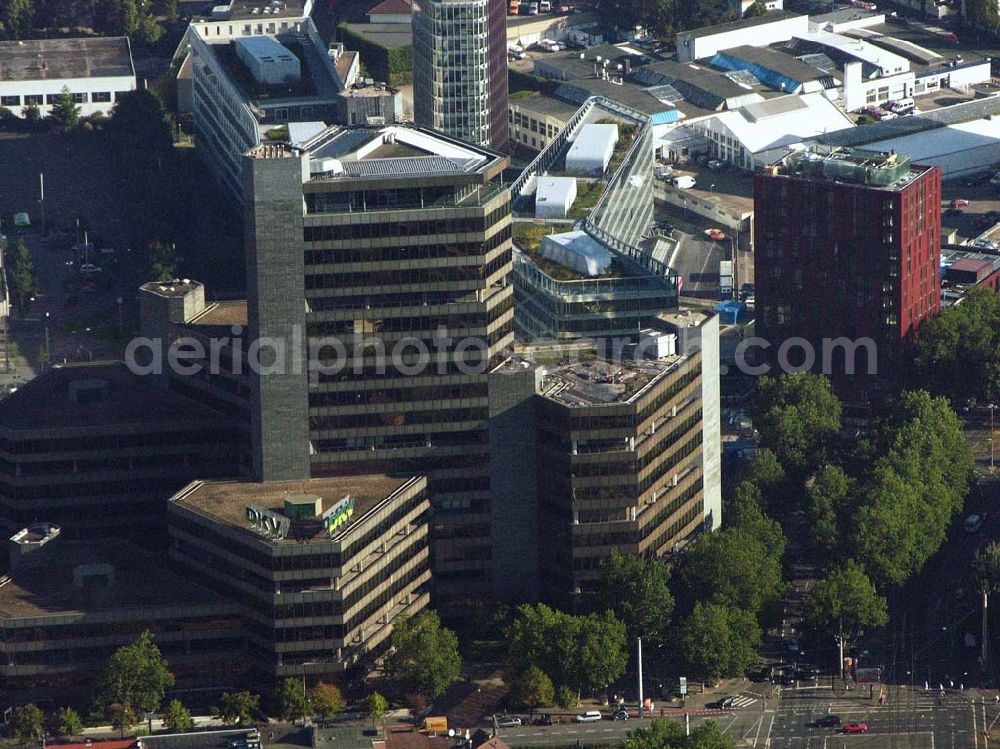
point(972, 220)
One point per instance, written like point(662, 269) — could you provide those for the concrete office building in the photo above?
point(34, 72)
point(98, 450)
point(320, 569)
point(391, 234)
point(460, 69)
point(66, 606)
point(847, 245)
point(620, 454)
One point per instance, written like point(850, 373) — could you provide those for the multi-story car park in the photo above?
point(36, 72)
point(320, 568)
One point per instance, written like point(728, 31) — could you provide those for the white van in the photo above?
point(591, 716)
point(545, 6)
point(684, 182)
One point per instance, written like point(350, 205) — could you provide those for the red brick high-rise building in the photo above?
point(847, 244)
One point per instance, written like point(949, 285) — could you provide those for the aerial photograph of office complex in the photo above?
point(552, 374)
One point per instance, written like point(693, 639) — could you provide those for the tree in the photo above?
point(755, 10)
point(163, 260)
point(532, 689)
point(292, 699)
point(845, 604)
point(326, 700)
point(982, 14)
point(798, 417)
point(68, 722)
point(637, 591)
point(958, 352)
point(669, 734)
point(424, 655)
point(709, 735)
point(375, 706)
point(746, 513)
point(29, 724)
point(65, 112)
point(732, 567)
point(136, 676)
point(915, 489)
point(20, 275)
point(988, 568)
point(32, 114)
point(718, 641)
point(17, 18)
point(566, 698)
point(830, 505)
point(577, 652)
point(601, 651)
point(177, 717)
point(238, 707)
point(122, 717)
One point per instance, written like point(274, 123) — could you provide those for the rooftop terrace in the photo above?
point(873, 168)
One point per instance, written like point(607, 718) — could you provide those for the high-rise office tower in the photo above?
point(847, 254)
point(460, 69)
point(390, 246)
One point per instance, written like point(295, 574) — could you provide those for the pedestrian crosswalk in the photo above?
point(742, 701)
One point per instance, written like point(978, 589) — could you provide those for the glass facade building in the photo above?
point(460, 69)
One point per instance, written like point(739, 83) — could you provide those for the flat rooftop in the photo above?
point(388, 35)
point(746, 23)
point(119, 398)
point(599, 382)
point(394, 152)
point(222, 313)
point(543, 104)
point(241, 10)
point(42, 585)
point(227, 501)
point(315, 80)
point(167, 289)
point(58, 59)
point(877, 169)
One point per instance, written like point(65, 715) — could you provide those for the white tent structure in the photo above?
point(577, 250)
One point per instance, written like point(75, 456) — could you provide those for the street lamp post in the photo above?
point(48, 351)
point(992, 407)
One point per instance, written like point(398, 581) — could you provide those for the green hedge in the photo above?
point(518, 81)
point(394, 66)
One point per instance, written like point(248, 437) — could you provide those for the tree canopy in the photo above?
point(532, 688)
point(830, 505)
point(238, 707)
point(68, 722)
point(958, 352)
point(326, 700)
point(845, 603)
point(718, 641)
point(637, 591)
point(177, 717)
point(135, 676)
point(65, 112)
point(579, 652)
point(669, 734)
point(29, 724)
point(292, 699)
point(797, 417)
point(20, 274)
point(732, 567)
point(987, 567)
point(375, 706)
point(424, 655)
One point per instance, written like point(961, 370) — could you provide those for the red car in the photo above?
point(959, 203)
point(856, 728)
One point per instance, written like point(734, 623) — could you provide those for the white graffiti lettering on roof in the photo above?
point(266, 522)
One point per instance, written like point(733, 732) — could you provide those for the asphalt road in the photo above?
point(913, 719)
point(697, 258)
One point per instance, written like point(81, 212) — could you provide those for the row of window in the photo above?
point(80, 97)
point(412, 251)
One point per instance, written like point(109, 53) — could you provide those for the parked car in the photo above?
point(791, 648)
point(827, 721)
point(508, 721)
point(533, 9)
point(545, 719)
point(973, 524)
point(985, 244)
point(684, 182)
point(855, 728)
point(959, 203)
point(89, 269)
point(716, 163)
point(620, 714)
point(591, 716)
